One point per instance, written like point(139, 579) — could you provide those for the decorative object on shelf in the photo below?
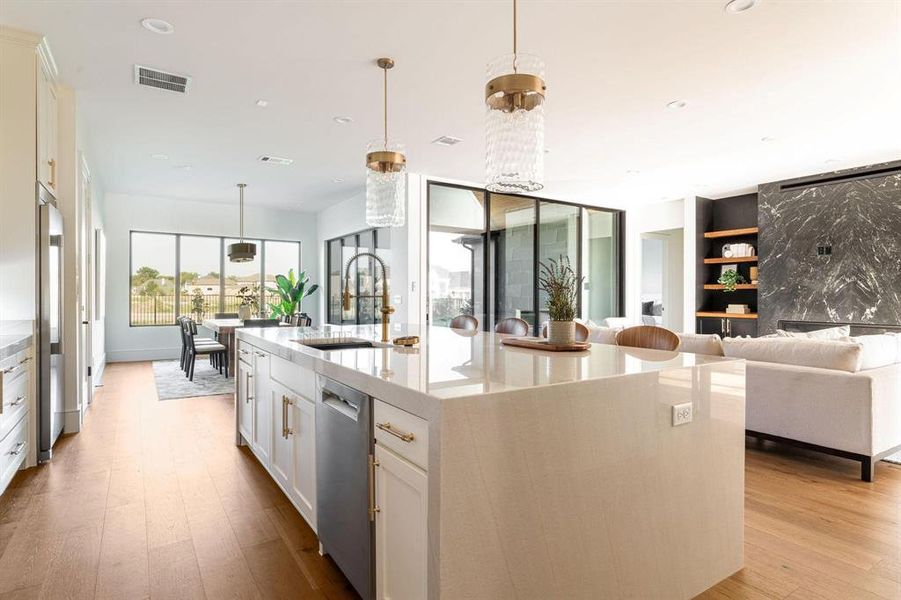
point(727, 251)
point(386, 177)
point(754, 273)
point(241, 251)
point(737, 250)
point(561, 284)
point(514, 123)
point(250, 302)
point(738, 309)
point(291, 291)
point(729, 279)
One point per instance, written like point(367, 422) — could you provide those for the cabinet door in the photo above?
point(710, 325)
point(262, 413)
point(244, 402)
point(281, 456)
point(401, 531)
point(303, 474)
point(43, 124)
point(740, 327)
point(52, 143)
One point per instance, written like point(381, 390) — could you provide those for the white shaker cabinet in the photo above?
point(281, 456)
point(401, 528)
point(244, 401)
point(303, 465)
point(47, 127)
point(262, 411)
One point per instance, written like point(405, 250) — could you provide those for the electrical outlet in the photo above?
point(681, 414)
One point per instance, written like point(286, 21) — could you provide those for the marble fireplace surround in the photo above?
point(829, 251)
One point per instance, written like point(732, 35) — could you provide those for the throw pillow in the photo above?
point(822, 354)
point(830, 333)
point(879, 350)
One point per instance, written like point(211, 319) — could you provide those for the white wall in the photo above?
point(124, 213)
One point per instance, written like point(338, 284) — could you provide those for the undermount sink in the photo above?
point(340, 344)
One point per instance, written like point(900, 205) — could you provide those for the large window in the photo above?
point(178, 274)
point(519, 232)
point(365, 276)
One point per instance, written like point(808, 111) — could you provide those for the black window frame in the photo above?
point(375, 231)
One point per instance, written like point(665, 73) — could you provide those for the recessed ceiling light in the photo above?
point(767, 138)
point(338, 180)
point(632, 172)
point(677, 104)
point(262, 103)
point(159, 156)
point(158, 26)
point(340, 120)
point(737, 6)
point(183, 167)
point(275, 160)
point(447, 140)
point(831, 161)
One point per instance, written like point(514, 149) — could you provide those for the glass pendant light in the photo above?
point(386, 182)
point(241, 251)
point(514, 128)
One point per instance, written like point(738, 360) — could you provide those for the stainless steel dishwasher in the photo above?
point(344, 482)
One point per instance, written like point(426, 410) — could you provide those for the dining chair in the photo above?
point(513, 326)
point(225, 316)
point(582, 332)
point(214, 349)
point(261, 322)
point(184, 344)
point(648, 336)
point(465, 322)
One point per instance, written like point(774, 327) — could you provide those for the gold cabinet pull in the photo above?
point(52, 182)
point(386, 427)
point(247, 396)
point(284, 416)
point(373, 509)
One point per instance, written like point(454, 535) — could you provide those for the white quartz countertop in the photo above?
point(451, 363)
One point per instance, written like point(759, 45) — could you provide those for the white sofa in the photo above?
point(841, 396)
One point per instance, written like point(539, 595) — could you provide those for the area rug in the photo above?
point(171, 382)
point(894, 458)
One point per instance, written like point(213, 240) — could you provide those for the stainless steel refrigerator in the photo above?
point(50, 326)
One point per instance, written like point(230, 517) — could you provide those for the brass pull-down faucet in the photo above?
point(387, 309)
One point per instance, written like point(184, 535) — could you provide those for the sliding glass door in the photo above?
point(484, 252)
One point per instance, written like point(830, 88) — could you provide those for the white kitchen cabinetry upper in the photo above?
point(47, 129)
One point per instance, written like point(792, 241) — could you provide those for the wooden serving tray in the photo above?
point(534, 343)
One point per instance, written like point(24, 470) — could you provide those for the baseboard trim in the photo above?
point(142, 354)
point(99, 368)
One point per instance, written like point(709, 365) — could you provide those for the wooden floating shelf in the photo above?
point(726, 261)
point(730, 232)
point(725, 315)
point(740, 286)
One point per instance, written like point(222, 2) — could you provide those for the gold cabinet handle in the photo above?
point(284, 416)
point(52, 182)
point(405, 437)
point(373, 509)
point(247, 396)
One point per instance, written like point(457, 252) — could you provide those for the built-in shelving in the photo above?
point(730, 232)
point(721, 287)
point(725, 315)
point(726, 261)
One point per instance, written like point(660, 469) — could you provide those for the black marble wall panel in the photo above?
point(831, 252)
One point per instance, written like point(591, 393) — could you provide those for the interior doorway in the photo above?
point(662, 279)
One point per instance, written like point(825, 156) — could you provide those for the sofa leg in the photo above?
point(867, 469)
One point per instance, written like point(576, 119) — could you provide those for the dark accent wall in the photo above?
point(830, 248)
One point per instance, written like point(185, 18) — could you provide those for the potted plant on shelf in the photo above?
point(730, 279)
point(250, 302)
point(291, 292)
point(561, 284)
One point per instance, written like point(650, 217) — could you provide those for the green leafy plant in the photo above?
point(250, 296)
point(291, 291)
point(730, 279)
point(198, 303)
point(560, 282)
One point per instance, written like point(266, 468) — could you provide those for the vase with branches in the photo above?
point(561, 284)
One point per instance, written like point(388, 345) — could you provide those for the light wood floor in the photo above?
point(153, 499)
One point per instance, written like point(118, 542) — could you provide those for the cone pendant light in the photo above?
point(514, 126)
point(386, 166)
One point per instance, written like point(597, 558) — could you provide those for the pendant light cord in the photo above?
point(241, 187)
point(514, 36)
point(386, 107)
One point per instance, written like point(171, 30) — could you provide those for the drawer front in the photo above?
point(13, 450)
point(300, 380)
point(406, 434)
point(245, 353)
point(15, 402)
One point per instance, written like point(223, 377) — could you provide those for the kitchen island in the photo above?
point(501, 472)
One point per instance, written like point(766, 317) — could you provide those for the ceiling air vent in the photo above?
point(276, 160)
point(161, 79)
point(447, 140)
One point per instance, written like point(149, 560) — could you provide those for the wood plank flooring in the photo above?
point(154, 500)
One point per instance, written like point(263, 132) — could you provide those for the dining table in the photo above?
point(225, 334)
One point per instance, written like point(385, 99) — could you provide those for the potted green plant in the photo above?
point(729, 279)
point(561, 284)
point(291, 292)
point(250, 302)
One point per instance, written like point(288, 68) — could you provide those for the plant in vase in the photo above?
point(561, 284)
point(250, 302)
point(291, 292)
point(730, 279)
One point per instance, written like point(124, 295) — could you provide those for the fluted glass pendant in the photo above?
point(514, 121)
point(386, 175)
point(386, 185)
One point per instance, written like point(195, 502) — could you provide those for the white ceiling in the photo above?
point(822, 78)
